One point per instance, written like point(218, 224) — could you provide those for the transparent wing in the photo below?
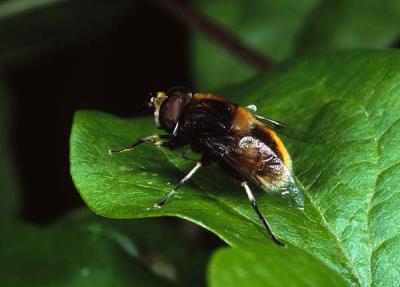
point(294, 133)
point(286, 187)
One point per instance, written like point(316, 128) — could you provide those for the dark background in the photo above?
point(146, 50)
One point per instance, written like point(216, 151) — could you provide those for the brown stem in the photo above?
point(216, 32)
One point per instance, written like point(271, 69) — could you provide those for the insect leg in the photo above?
point(156, 140)
point(260, 216)
point(183, 180)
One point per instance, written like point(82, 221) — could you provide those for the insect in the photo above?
point(241, 142)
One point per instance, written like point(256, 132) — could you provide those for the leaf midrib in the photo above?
point(325, 224)
point(323, 220)
point(376, 141)
point(347, 261)
point(374, 188)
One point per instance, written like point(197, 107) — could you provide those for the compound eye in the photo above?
point(170, 111)
point(180, 92)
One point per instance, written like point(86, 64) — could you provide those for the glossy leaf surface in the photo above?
point(351, 215)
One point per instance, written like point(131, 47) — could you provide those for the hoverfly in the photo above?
point(241, 142)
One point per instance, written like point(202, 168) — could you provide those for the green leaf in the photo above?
point(280, 29)
point(252, 267)
point(270, 27)
point(82, 250)
point(9, 190)
point(29, 27)
point(350, 221)
point(351, 24)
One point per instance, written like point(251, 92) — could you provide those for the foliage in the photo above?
point(350, 219)
point(83, 250)
point(282, 29)
point(348, 233)
point(267, 264)
point(28, 28)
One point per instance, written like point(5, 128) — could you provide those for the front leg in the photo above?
point(157, 140)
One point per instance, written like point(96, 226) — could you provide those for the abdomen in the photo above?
point(245, 124)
